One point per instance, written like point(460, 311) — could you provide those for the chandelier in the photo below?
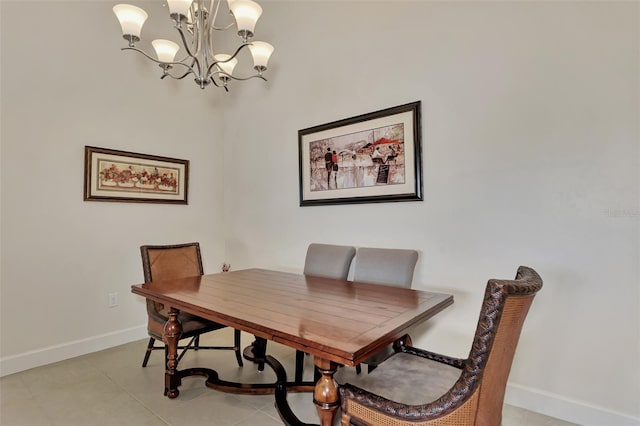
point(195, 21)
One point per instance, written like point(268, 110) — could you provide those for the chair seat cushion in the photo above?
point(409, 379)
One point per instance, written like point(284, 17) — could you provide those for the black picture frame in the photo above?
point(356, 172)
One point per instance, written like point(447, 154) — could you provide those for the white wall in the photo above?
point(63, 88)
point(530, 138)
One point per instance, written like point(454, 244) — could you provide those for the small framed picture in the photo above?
point(111, 175)
point(370, 158)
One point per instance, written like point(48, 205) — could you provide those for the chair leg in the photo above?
point(188, 346)
point(194, 344)
point(358, 369)
point(148, 353)
point(345, 420)
point(236, 344)
point(299, 365)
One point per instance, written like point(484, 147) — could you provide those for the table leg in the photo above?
point(325, 394)
point(170, 337)
point(256, 352)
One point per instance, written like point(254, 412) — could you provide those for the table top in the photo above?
point(342, 321)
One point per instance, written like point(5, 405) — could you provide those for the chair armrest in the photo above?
point(426, 412)
point(444, 359)
point(449, 401)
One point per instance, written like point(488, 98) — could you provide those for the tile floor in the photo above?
point(110, 388)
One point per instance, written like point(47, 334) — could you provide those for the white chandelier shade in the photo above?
point(180, 7)
point(165, 49)
point(261, 53)
point(195, 22)
point(225, 63)
point(131, 19)
point(246, 13)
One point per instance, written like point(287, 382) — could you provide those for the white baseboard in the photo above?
point(564, 408)
point(25, 361)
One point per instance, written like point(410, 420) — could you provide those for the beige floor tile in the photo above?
point(120, 410)
point(259, 419)
point(18, 408)
point(110, 388)
point(13, 390)
point(53, 377)
point(302, 406)
point(514, 416)
point(211, 408)
point(259, 402)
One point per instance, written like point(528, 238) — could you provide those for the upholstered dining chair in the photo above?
point(328, 261)
point(162, 262)
point(322, 260)
point(384, 266)
point(418, 387)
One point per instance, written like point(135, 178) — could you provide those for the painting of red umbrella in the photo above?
point(374, 157)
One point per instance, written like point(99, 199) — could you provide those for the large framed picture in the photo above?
point(111, 175)
point(370, 158)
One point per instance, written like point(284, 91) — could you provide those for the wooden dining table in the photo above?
point(338, 322)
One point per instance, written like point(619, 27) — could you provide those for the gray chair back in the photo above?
point(385, 266)
point(329, 261)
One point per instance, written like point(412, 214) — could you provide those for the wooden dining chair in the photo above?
point(164, 262)
point(418, 387)
point(384, 266)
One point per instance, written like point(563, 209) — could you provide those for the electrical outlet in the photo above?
point(113, 300)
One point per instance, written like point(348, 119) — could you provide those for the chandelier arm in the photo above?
point(249, 78)
point(206, 33)
point(222, 28)
point(236, 78)
point(190, 53)
point(191, 70)
point(242, 46)
point(184, 42)
point(168, 74)
point(213, 15)
point(215, 83)
point(213, 27)
point(190, 28)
